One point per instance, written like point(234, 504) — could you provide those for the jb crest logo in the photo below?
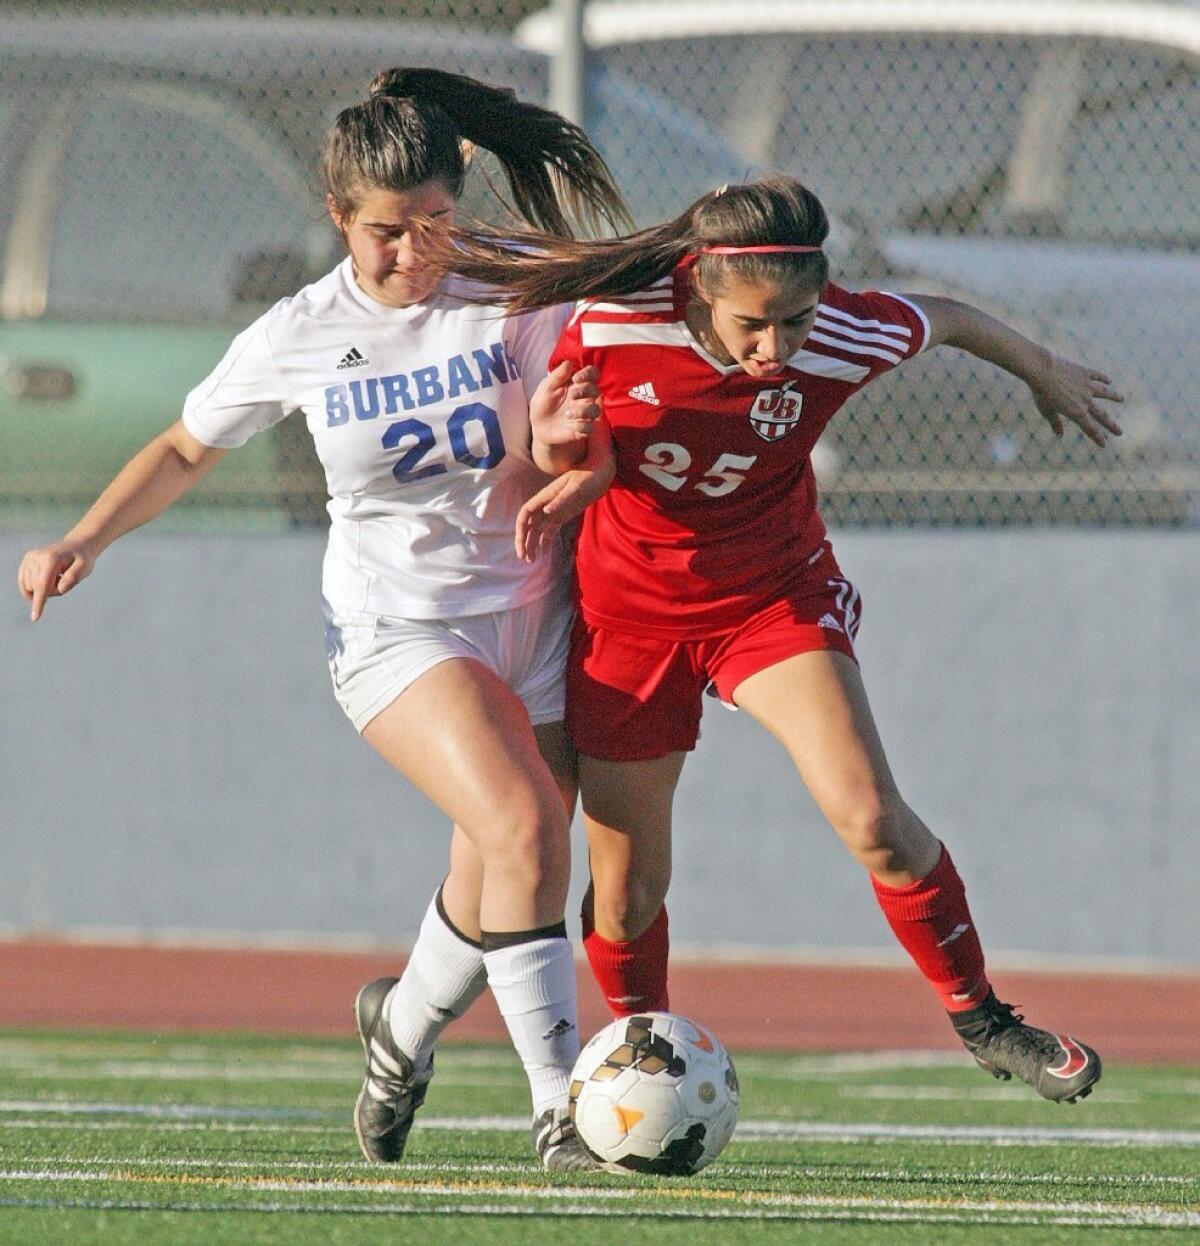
point(776, 412)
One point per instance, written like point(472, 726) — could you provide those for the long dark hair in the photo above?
point(412, 127)
point(528, 270)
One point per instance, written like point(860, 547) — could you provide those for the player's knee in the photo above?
point(873, 829)
point(532, 842)
point(627, 906)
point(893, 841)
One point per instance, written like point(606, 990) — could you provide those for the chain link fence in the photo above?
point(159, 190)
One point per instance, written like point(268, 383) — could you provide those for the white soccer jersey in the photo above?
point(420, 418)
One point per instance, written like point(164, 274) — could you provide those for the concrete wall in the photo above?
point(171, 757)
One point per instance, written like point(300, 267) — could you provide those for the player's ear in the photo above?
point(336, 215)
point(698, 288)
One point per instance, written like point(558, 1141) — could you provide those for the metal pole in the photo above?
point(568, 90)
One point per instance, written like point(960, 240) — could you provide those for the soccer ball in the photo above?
point(654, 1093)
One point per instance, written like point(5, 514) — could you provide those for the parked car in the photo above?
point(1042, 161)
point(158, 190)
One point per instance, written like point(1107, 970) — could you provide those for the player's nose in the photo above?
point(770, 342)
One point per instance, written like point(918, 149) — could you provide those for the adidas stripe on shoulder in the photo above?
point(655, 298)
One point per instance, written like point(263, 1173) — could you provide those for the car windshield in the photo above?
point(171, 207)
point(175, 180)
point(962, 132)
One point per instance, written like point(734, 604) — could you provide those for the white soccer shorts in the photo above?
point(373, 658)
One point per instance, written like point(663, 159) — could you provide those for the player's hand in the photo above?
point(565, 405)
point(1069, 391)
point(52, 571)
point(565, 498)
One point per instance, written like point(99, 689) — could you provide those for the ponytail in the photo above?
point(529, 270)
point(411, 130)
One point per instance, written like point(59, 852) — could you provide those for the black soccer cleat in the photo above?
point(391, 1091)
point(1057, 1067)
point(557, 1144)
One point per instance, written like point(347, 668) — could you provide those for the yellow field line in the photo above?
point(1184, 1214)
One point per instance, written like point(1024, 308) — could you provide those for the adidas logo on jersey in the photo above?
point(645, 393)
point(353, 358)
point(828, 622)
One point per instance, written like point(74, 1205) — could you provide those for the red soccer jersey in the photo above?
point(713, 511)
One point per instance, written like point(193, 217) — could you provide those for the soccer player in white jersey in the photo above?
point(446, 650)
point(723, 350)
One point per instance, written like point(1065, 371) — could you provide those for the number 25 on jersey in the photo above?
point(667, 465)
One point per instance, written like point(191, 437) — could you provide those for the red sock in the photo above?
point(933, 923)
point(633, 975)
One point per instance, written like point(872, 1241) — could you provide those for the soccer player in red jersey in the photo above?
point(722, 350)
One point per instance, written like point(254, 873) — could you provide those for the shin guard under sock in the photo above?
point(443, 978)
point(532, 976)
point(632, 975)
point(933, 923)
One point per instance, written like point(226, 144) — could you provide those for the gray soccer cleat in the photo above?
point(391, 1093)
point(558, 1146)
point(1058, 1067)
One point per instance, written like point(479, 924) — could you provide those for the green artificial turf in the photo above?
point(130, 1139)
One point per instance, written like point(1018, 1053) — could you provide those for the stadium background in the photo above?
point(174, 769)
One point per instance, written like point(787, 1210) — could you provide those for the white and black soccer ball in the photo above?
point(654, 1093)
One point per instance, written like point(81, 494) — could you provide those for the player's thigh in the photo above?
point(559, 755)
point(463, 737)
point(627, 814)
point(816, 705)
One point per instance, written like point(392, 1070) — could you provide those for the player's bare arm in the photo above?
point(1062, 389)
point(158, 475)
point(564, 408)
point(568, 495)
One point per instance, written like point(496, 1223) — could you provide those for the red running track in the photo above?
point(1136, 1018)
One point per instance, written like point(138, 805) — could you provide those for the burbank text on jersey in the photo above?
point(368, 397)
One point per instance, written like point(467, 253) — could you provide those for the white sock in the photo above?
point(534, 986)
point(443, 978)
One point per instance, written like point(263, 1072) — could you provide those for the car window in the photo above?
point(1135, 162)
point(173, 207)
point(627, 120)
point(14, 139)
point(928, 132)
point(853, 120)
point(8, 111)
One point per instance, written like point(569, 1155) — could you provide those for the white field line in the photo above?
point(950, 1094)
point(508, 1075)
point(144, 1070)
point(718, 1170)
point(747, 1131)
point(991, 1135)
point(194, 1061)
point(86, 1049)
point(515, 1211)
point(21, 1053)
point(738, 1201)
point(168, 1127)
point(506, 1072)
point(176, 1111)
point(837, 1064)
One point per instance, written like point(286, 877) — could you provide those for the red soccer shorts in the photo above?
point(633, 698)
